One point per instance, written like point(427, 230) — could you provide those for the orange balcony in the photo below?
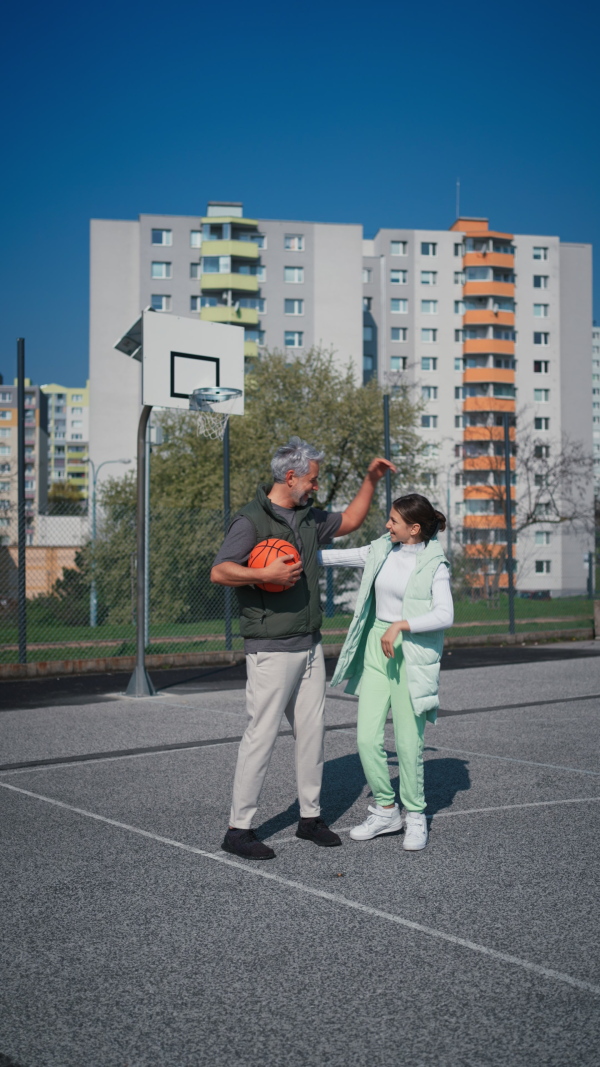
point(483, 345)
point(488, 463)
point(487, 317)
point(489, 289)
point(491, 550)
point(485, 522)
point(474, 375)
point(489, 259)
point(486, 492)
point(488, 403)
point(487, 433)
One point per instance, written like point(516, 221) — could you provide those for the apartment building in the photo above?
point(36, 460)
point(483, 323)
point(68, 435)
point(288, 284)
point(596, 405)
point(476, 322)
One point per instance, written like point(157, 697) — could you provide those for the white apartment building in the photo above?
point(36, 460)
point(68, 435)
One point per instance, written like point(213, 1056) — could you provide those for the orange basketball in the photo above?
point(266, 552)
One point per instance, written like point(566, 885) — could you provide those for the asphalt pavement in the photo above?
point(131, 939)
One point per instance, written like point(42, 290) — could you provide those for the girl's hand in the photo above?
point(390, 635)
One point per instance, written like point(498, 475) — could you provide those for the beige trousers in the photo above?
point(290, 683)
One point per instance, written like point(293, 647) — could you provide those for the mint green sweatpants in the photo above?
point(384, 684)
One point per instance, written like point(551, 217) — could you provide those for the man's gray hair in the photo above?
point(296, 456)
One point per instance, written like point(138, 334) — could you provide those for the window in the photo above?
point(293, 307)
point(293, 338)
point(208, 302)
point(5, 414)
point(398, 362)
point(160, 303)
point(259, 239)
point(429, 422)
point(429, 307)
point(478, 274)
point(428, 248)
point(77, 437)
point(217, 265)
point(368, 363)
point(195, 270)
point(195, 304)
point(540, 366)
point(293, 274)
point(542, 566)
point(540, 253)
point(459, 277)
point(4, 432)
point(541, 424)
point(252, 334)
point(399, 333)
point(428, 363)
point(428, 336)
point(542, 537)
point(5, 398)
point(76, 398)
point(161, 270)
point(195, 238)
point(367, 301)
point(293, 242)
point(398, 277)
point(459, 394)
point(429, 277)
point(398, 307)
point(459, 250)
point(541, 338)
point(541, 396)
point(76, 411)
point(162, 237)
point(261, 272)
point(429, 392)
point(540, 311)
point(399, 248)
point(458, 363)
point(540, 281)
point(4, 449)
point(367, 333)
point(459, 307)
point(541, 451)
point(366, 275)
point(459, 335)
point(504, 390)
point(257, 303)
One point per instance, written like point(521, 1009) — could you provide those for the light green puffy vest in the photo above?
point(422, 652)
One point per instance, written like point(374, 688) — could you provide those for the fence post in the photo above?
point(21, 524)
point(226, 516)
point(509, 530)
point(590, 576)
point(140, 684)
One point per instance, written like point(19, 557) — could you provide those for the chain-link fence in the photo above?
point(81, 589)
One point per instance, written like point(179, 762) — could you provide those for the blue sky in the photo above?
point(328, 111)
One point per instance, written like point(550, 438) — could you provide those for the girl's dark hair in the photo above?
point(415, 508)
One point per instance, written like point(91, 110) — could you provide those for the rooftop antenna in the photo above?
point(458, 198)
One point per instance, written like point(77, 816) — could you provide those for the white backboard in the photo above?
point(181, 354)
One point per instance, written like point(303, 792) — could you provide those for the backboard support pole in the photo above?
point(140, 684)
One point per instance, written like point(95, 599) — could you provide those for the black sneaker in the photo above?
point(317, 830)
point(245, 843)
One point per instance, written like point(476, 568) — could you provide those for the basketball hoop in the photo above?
point(212, 423)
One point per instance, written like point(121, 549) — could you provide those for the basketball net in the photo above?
point(212, 415)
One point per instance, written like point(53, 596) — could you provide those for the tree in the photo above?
point(64, 498)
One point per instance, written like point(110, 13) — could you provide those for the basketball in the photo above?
point(266, 552)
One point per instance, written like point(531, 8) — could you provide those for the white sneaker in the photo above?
point(381, 821)
point(415, 833)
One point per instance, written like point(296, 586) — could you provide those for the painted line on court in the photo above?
point(334, 898)
point(453, 814)
point(492, 707)
point(511, 759)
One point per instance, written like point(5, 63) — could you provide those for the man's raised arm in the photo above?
point(357, 510)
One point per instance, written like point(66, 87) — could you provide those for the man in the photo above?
point(282, 640)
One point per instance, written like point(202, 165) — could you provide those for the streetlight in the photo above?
point(93, 595)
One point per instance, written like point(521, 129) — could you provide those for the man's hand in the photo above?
point(278, 573)
point(389, 637)
point(378, 467)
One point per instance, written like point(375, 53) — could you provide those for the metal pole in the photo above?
point(140, 684)
point(93, 593)
point(21, 575)
point(509, 530)
point(448, 522)
point(226, 518)
point(387, 451)
point(590, 579)
point(147, 542)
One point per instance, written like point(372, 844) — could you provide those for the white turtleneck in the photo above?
point(390, 584)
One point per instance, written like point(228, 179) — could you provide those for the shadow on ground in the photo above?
point(344, 782)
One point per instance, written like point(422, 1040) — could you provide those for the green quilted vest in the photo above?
point(422, 652)
point(294, 611)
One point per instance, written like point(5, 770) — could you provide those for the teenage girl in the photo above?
point(393, 650)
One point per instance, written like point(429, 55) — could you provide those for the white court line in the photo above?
point(511, 759)
point(334, 898)
point(452, 814)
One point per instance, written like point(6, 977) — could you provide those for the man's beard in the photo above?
point(300, 499)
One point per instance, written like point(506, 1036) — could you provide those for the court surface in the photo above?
point(131, 940)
